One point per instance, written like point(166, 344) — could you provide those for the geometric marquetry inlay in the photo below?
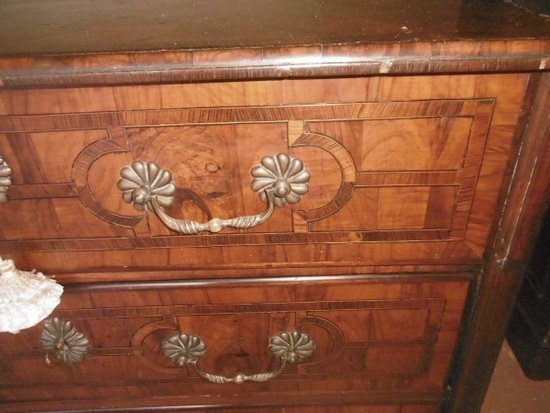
point(420, 189)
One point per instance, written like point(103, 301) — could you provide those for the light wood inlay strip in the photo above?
point(81, 166)
point(295, 130)
point(435, 304)
point(472, 164)
point(109, 244)
point(189, 116)
point(36, 191)
point(366, 179)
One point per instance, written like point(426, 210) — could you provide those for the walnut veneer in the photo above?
point(427, 141)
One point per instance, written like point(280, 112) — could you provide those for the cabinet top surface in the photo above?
point(37, 27)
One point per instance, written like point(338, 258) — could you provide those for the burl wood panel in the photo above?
point(377, 341)
point(404, 170)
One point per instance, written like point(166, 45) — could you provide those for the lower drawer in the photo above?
point(386, 342)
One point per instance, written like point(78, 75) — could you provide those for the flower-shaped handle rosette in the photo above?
point(292, 346)
point(145, 182)
point(282, 177)
point(5, 180)
point(184, 349)
point(63, 343)
point(288, 346)
point(279, 179)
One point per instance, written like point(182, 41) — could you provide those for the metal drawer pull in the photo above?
point(288, 346)
point(5, 180)
point(62, 342)
point(279, 179)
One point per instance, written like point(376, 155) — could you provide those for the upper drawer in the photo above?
point(403, 170)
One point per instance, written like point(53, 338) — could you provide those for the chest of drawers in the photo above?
point(414, 168)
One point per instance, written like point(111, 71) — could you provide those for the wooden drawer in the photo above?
point(404, 170)
point(378, 342)
point(426, 136)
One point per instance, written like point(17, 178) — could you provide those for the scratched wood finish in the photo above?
point(390, 340)
point(212, 24)
point(404, 171)
point(199, 65)
point(282, 39)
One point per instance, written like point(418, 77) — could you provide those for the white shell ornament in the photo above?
point(26, 298)
point(5, 180)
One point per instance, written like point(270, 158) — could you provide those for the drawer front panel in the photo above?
point(410, 177)
point(375, 340)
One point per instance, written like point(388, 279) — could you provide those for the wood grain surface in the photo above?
point(77, 26)
point(75, 42)
point(530, 194)
point(375, 340)
point(404, 171)
point(424, 125)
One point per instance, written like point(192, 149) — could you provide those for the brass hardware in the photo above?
point(288, 346)
point(63, 343)
point(279, 179)
point(5, 180)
